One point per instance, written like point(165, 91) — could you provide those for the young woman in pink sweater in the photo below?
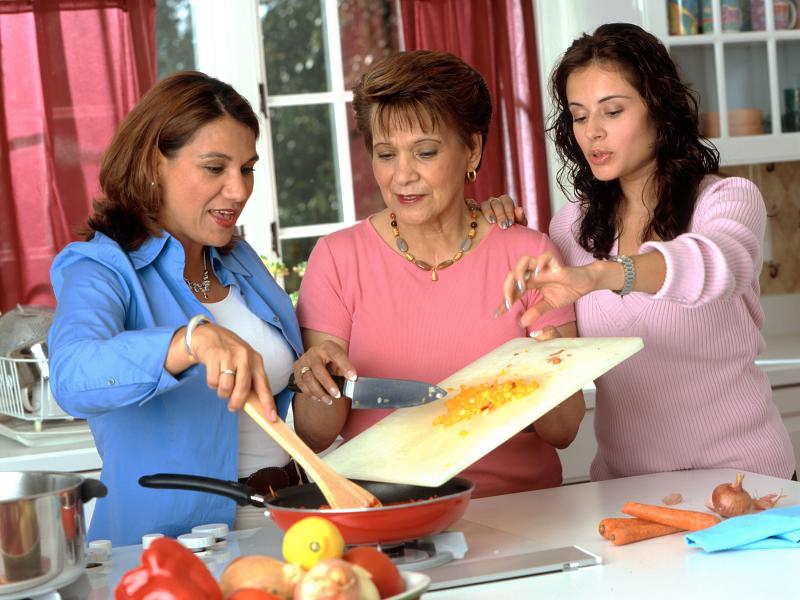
point(660, 247)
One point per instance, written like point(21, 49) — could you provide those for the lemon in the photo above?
point(311, 540)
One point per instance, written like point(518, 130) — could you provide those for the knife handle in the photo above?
point(337, 379)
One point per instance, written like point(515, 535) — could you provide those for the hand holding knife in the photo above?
point(377, 392)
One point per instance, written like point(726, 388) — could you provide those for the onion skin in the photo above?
point(730, 499)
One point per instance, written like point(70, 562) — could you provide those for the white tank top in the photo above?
point(256, 448)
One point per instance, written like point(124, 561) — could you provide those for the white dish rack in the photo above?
point(36, 418)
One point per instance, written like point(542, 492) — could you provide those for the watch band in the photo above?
point(194, 323)
point(629, 273)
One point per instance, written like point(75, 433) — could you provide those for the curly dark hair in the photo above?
point(683, 156)
point(161, 123)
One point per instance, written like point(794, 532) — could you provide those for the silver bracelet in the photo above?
point(629, 273)
point(194, 323)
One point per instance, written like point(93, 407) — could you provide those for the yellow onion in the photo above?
point(730, 499)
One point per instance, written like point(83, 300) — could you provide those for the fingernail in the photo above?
point(520, 286)
point(231, 409)
point(527, 275)
point(334, 391)
point(507, 304)
point(536, 333)
point(536, 271)
point(492, 219)
point(509, 223)
point(315, 399)
point(503, 225)
point(327, 400)
point(351, 375)
point(273, 414)
point(496, 312)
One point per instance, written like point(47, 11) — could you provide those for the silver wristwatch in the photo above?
point(630, 273)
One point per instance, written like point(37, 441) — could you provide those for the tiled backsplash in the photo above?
point(780, 185)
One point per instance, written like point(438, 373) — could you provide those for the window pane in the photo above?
point(174, 36)
point(294, 46)
point(295, 253)
point(305, 165)
point(369, 32)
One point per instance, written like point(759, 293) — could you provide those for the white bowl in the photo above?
point(415, 582)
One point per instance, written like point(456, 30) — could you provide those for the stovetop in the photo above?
point(449, 557)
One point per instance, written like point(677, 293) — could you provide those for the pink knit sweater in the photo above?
point(693, 397)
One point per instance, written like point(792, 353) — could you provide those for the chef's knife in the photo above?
point(377, 392)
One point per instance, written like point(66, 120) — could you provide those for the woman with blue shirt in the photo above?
point(165, 321)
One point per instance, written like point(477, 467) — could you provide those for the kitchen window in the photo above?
point(296, 61)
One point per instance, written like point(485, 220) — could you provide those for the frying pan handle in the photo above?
point(337, 379)
point(241, 493)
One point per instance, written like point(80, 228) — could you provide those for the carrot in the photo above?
point(607, 526)
point(628, 533)
point(674, 517)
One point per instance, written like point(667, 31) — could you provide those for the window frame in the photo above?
point(229, 46)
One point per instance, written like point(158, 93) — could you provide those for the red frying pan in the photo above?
point(408, 512)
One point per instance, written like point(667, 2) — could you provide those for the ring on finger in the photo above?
point(304, 370)
point(227, 372)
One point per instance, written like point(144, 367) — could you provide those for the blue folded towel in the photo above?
point(774, 528)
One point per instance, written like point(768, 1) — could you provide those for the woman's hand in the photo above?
point(504, 211)
point(312, 371)
point(558, 285)
point(233, 368)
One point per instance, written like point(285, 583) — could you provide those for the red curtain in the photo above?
point(497, 38)
point(69, 72)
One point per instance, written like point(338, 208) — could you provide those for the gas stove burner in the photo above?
point(406, 553)
point(428, 552)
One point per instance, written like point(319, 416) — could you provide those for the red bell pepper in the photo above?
point(169, 571)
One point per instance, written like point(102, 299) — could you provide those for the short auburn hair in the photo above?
point(425, 88)
point(161, 123)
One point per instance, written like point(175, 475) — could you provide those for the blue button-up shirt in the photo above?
point(117, 313)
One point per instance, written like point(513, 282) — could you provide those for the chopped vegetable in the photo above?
point(675, 517)
point(475, 400)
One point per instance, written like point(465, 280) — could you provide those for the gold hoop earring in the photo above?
point(472, 175)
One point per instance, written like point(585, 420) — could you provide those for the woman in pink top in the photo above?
point(411, 291)
point(659, 247)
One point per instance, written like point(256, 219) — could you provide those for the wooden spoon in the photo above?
point(338, 491)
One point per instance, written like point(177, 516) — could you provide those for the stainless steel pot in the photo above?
point(42, 529)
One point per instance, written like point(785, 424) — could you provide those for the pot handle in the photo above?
point(92, 488)
point(241, 493)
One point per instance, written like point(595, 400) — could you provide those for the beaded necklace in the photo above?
point(466, 244)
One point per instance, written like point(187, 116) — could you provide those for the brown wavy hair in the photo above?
point(161, 123)
point(423, 87)
point(683, 156)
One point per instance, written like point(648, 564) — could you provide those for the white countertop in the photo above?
point(659, 568)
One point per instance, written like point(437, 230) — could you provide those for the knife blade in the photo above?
point(379, 392)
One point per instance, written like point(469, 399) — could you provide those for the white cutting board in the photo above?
point(406, 447)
